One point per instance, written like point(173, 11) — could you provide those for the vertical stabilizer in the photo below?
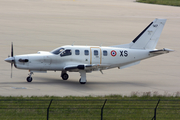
point(149, 37)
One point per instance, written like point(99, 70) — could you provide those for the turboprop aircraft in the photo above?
point(85, 59)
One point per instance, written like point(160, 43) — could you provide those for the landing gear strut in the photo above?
point(29, 78)
point(82, 80)
point(64, 75)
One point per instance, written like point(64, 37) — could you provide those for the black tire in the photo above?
point(65, 76)
point(29, 79)
point(81, 82)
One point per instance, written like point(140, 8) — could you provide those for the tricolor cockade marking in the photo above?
point(113, 53)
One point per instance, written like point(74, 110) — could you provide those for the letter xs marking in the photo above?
point(123, 53)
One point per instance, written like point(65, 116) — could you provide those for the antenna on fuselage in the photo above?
point(73, 43)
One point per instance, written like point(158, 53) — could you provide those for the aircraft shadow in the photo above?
point(69, 82)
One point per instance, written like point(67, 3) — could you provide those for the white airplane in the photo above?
point(85, 59)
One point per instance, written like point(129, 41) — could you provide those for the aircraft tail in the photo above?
point(148, 38)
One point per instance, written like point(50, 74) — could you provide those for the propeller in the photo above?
point(11, 59)
point(12, 55)
point(12, 49)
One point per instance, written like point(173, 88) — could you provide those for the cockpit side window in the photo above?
point(66, 53)
point(57, 51)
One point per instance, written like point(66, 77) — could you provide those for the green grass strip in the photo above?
point(89, 107)
point(161, 2)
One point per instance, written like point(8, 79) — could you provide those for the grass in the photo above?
point(89, 107)
point(162, 2)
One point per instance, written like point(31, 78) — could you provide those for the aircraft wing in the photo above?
point(161, 51)
point(86, 67)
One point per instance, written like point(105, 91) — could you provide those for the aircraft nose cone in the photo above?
point(9, 59)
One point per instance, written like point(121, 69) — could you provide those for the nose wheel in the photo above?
point(29, 78)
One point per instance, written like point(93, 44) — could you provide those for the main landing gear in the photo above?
point(82, 80)
point(64, 75)
point(29, 78)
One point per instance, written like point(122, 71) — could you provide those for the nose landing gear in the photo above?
point(29, 78)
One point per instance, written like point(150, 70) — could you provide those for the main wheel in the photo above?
point(29, 79)
point(81, 82)
point(65, 76)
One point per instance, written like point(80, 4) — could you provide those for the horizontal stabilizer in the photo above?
point(161, 51)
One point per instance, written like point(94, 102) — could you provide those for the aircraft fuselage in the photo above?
point(109, 57)
point(85, 59)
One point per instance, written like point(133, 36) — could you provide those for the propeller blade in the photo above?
point(12, 55)
point(11, 69)
point(12, 50)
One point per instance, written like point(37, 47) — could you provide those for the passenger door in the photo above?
point(96, 55)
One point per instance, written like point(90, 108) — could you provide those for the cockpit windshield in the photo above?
point(57, 51)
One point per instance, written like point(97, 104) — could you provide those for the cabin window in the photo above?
point(77, 52)
point(105, 53)
point(66, 53)
point(57, 51)
point(95, 52)
point(86, 52)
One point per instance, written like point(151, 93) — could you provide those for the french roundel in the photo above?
point(113, 53)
